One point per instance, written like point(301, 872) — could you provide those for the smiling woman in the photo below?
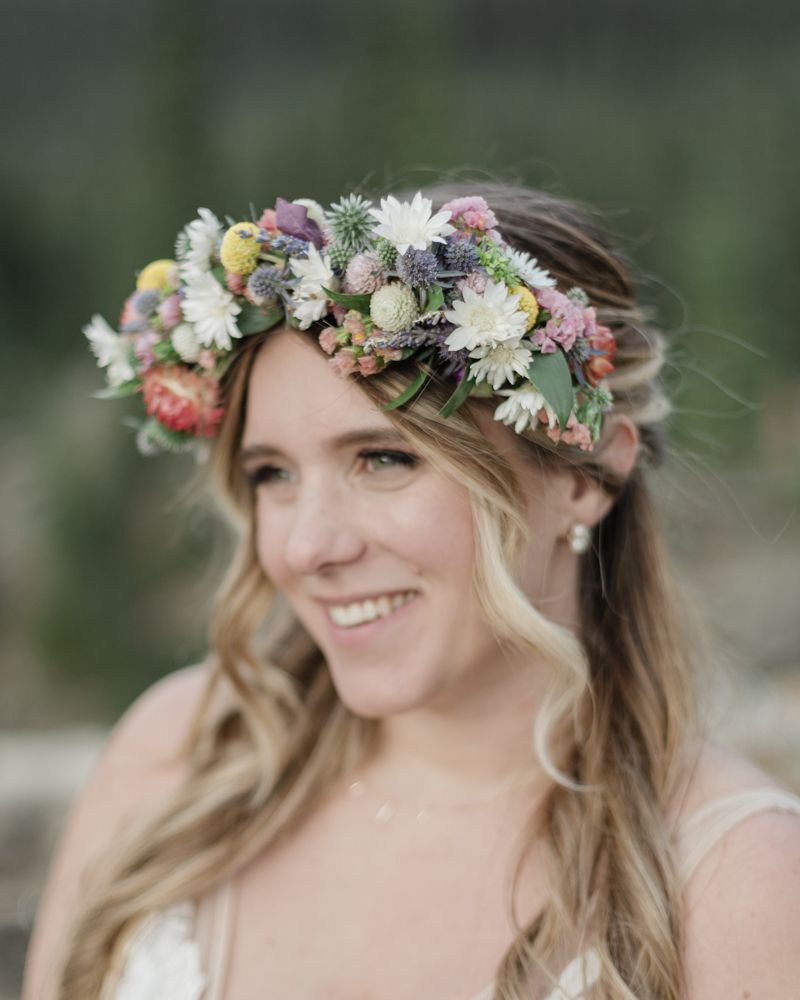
point(445, 737)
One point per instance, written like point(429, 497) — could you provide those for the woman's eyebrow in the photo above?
point(366, 436)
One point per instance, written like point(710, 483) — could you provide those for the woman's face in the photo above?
point(370, 544)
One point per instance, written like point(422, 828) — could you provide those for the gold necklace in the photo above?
point(424, 811)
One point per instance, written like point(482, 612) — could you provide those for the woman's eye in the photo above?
point(269, 474)
point(377, 461)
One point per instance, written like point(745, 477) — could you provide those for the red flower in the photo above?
point(599, 365)
point(183, 400)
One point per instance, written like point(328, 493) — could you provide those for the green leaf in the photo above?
point(119, 391)
point(482, 389)
point(252, 319)
point(465, 387)
point(358, 302)
point(551, 376)
point(408, 393)
point(435, 298)
point(219, 274)
point(164, 351)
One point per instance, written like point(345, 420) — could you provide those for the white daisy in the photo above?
point(111, 350)
point(522, 406)
point(529, 270)
point(410, 225)
point(197, 243)
point(501, 363)
point(309, 298)
point(212, 309)
point(485, 320)
point(185, 342)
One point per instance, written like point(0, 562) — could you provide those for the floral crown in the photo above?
point(391, 283)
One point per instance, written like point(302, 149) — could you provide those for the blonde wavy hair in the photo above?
point(613, 731)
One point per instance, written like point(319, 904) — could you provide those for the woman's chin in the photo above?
point(382, 690)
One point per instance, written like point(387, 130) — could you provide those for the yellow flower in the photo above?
point(527, 304)
point(239, 251)
point(161, 274)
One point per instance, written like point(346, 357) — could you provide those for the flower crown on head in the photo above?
point(391, 283)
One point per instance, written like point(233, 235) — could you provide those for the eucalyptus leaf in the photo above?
point(435, 298)
point(465, 387)
point(358, 302)
point(252, 319)
point(550, 375)
point(119, 391)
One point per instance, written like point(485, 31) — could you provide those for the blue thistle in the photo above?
point(146, 302)
point(350, 222)
point(579, 352)
point(418, 268)
point(264, 283)
point(461, 255)
point(340, 255)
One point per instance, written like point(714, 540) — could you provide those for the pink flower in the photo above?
point(328, 340)
point(235, 283)
point(183, 400)
point(389, 353)
point(143, 348)
point(475, 281)
point(472, 212)
point(207, 360)
point(365, 274)
point(355, 327)
point(267, 221)
point(343, 363)
point(131, 320)
point(568, 320)
point(339, 313)
point(368, 365)
point(169, 311)
point(574, 434)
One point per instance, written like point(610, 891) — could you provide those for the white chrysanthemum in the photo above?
point(185, 342)
point(213, 311)
point(485, 320)
point(314, 210)
point(522, 406)
point(529, 270)
point(501, 363)
point(309, 298)
point(410, 225)
point(197, 244)
point(394, 308)
point(111, 350)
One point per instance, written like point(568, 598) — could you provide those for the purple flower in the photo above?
point(293, 220)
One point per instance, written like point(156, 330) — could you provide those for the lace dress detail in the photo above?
point(163, 959)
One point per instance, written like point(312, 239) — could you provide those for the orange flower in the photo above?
point(183, 400)
point(599, 365)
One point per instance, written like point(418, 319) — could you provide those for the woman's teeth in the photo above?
point(348, 615)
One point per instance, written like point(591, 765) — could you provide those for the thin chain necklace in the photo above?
point(424, 811)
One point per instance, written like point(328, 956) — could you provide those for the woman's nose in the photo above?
point(323, 533)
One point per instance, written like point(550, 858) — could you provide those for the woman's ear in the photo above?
point(589, 502)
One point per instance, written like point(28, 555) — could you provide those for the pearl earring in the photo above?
point(579, 538)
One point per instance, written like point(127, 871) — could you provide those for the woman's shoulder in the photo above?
point(743, 894)
point(141, 765)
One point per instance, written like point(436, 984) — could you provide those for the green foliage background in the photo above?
point(680, 120)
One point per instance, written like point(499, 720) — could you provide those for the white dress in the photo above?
point(163, 959)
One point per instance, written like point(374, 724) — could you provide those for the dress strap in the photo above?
point(706, 827)
point(219, 952)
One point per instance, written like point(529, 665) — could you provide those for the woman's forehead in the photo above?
point(294, 398)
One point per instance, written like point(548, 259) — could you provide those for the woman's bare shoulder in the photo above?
point(743, 901)
point(141, 764)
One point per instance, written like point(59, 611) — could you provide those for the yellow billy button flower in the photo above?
point(239, 251)
point(161, 274)
point(527, 304)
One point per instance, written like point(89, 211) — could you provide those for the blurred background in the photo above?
point(679, 120)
